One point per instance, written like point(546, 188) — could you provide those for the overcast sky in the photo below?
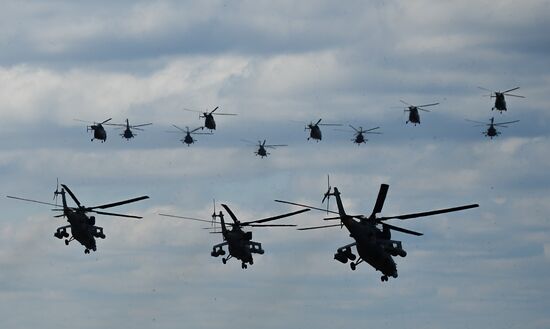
point(278, 65)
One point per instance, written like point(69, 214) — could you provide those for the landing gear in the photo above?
point(384, 278)
point(243, 266)
point(224, 260)
point(87, 251)
point(66, 242)
point(352, 266)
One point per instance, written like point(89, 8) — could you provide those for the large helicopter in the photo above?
point(359, 137)
point(128, 133)
point(83, 228)
point(371, 234)
point(262, 147)
point(239, 243)
point(414, 116)
point(188, 139)
point(491, 129)
point(209, 121)
point(315, 130)
point(500, 101)
point(98, 130)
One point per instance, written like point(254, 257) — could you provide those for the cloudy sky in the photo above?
point(278, 65)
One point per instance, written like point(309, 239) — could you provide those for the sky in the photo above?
point(278, 65)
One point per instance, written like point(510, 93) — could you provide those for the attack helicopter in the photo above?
point(239, 243)
point(315, 130)
point(83, 228)
point(359, 137)
point(97, 128)
point(188, 139)
point(128, 133)
point(262, 147)
point(491, 129)
point(500, 101)
point(372, 235)
point(209, 121)
point(414, 116)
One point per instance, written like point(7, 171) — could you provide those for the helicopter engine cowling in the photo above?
point(341, 257)
point(91, 220)
point(247, 236)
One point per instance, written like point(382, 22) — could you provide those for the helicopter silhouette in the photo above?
point(128, 133)
point(262, 147)
point(239, 243)
point(315, 131)
point(83, 228)
point(97, 128)
point(209, 121)
point(188, 139)
point(491, 129)
point(500, 101)
point(414, 115)
point(372, 235)
point(359, 137)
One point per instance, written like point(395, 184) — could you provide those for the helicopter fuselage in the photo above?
point(209, 121)
point(128, 133)
point(492, 132)
point(83, 230)
point(359, 139)
point(414, 116)
point(315, 132)
point(262, 151)
point(500, 102)
point(188, 139)
point(99, 132)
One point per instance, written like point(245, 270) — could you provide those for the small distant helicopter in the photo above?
point(239, 243)
point(188, 139)
point(371, 234)
point(500, 102)
point(83, 228)
point(359, 134)
point(315, 131)
point(209, 121)
point(128, 133)
point(414, 116)
point(97, 128)
point(492, 130)
point(262, 147)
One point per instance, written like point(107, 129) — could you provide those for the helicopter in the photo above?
point(492, 130)
point(262, 152)
point(315, 131)
point(83, 228)
point(97, 128)
point(500, 102)
point(414, 116)
point(239, 243)
point(372, 235)
point(128, 133)
point(359, 134)
point(188, 139)
point(209, 121)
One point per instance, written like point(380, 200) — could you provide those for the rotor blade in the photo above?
point(268, 219)
point(30, 200)
point(107, 120)
point(421, 109)
point(483, 123)
point(330, 124)
point(403, 230)
point(318, 122)
point(275, 145)
point(306, 206)
point(430, 213)
point(491, 91)
point(366, 131)
point(402, 101)
point(510, 90)
point(145, 124)
point(380, 199)
point(186, 109)
point(231, 214)
point(117, 215)
point(248, 142)
point(504, 123)
point(189, 218)
point(515, 95)
point(83, 121)
point(214, 110)
point(72, 195)
point(119, 203)
point(317, 227)
point(272, 225)
point(192, 131)
point(180, 128)
point(352, 127)
point(425, 105)
point(224, 114)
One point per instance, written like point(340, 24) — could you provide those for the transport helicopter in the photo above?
point(359, 137)
point(372, 234)
point(262, 147)
point(414, 115)
point(83, 228)
point(97, 128)
point(239, 243)
point(491, 127)
point(315, 131)
point(128, 133)
point(209, 121)
point(188, 139)
point(500, 101)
